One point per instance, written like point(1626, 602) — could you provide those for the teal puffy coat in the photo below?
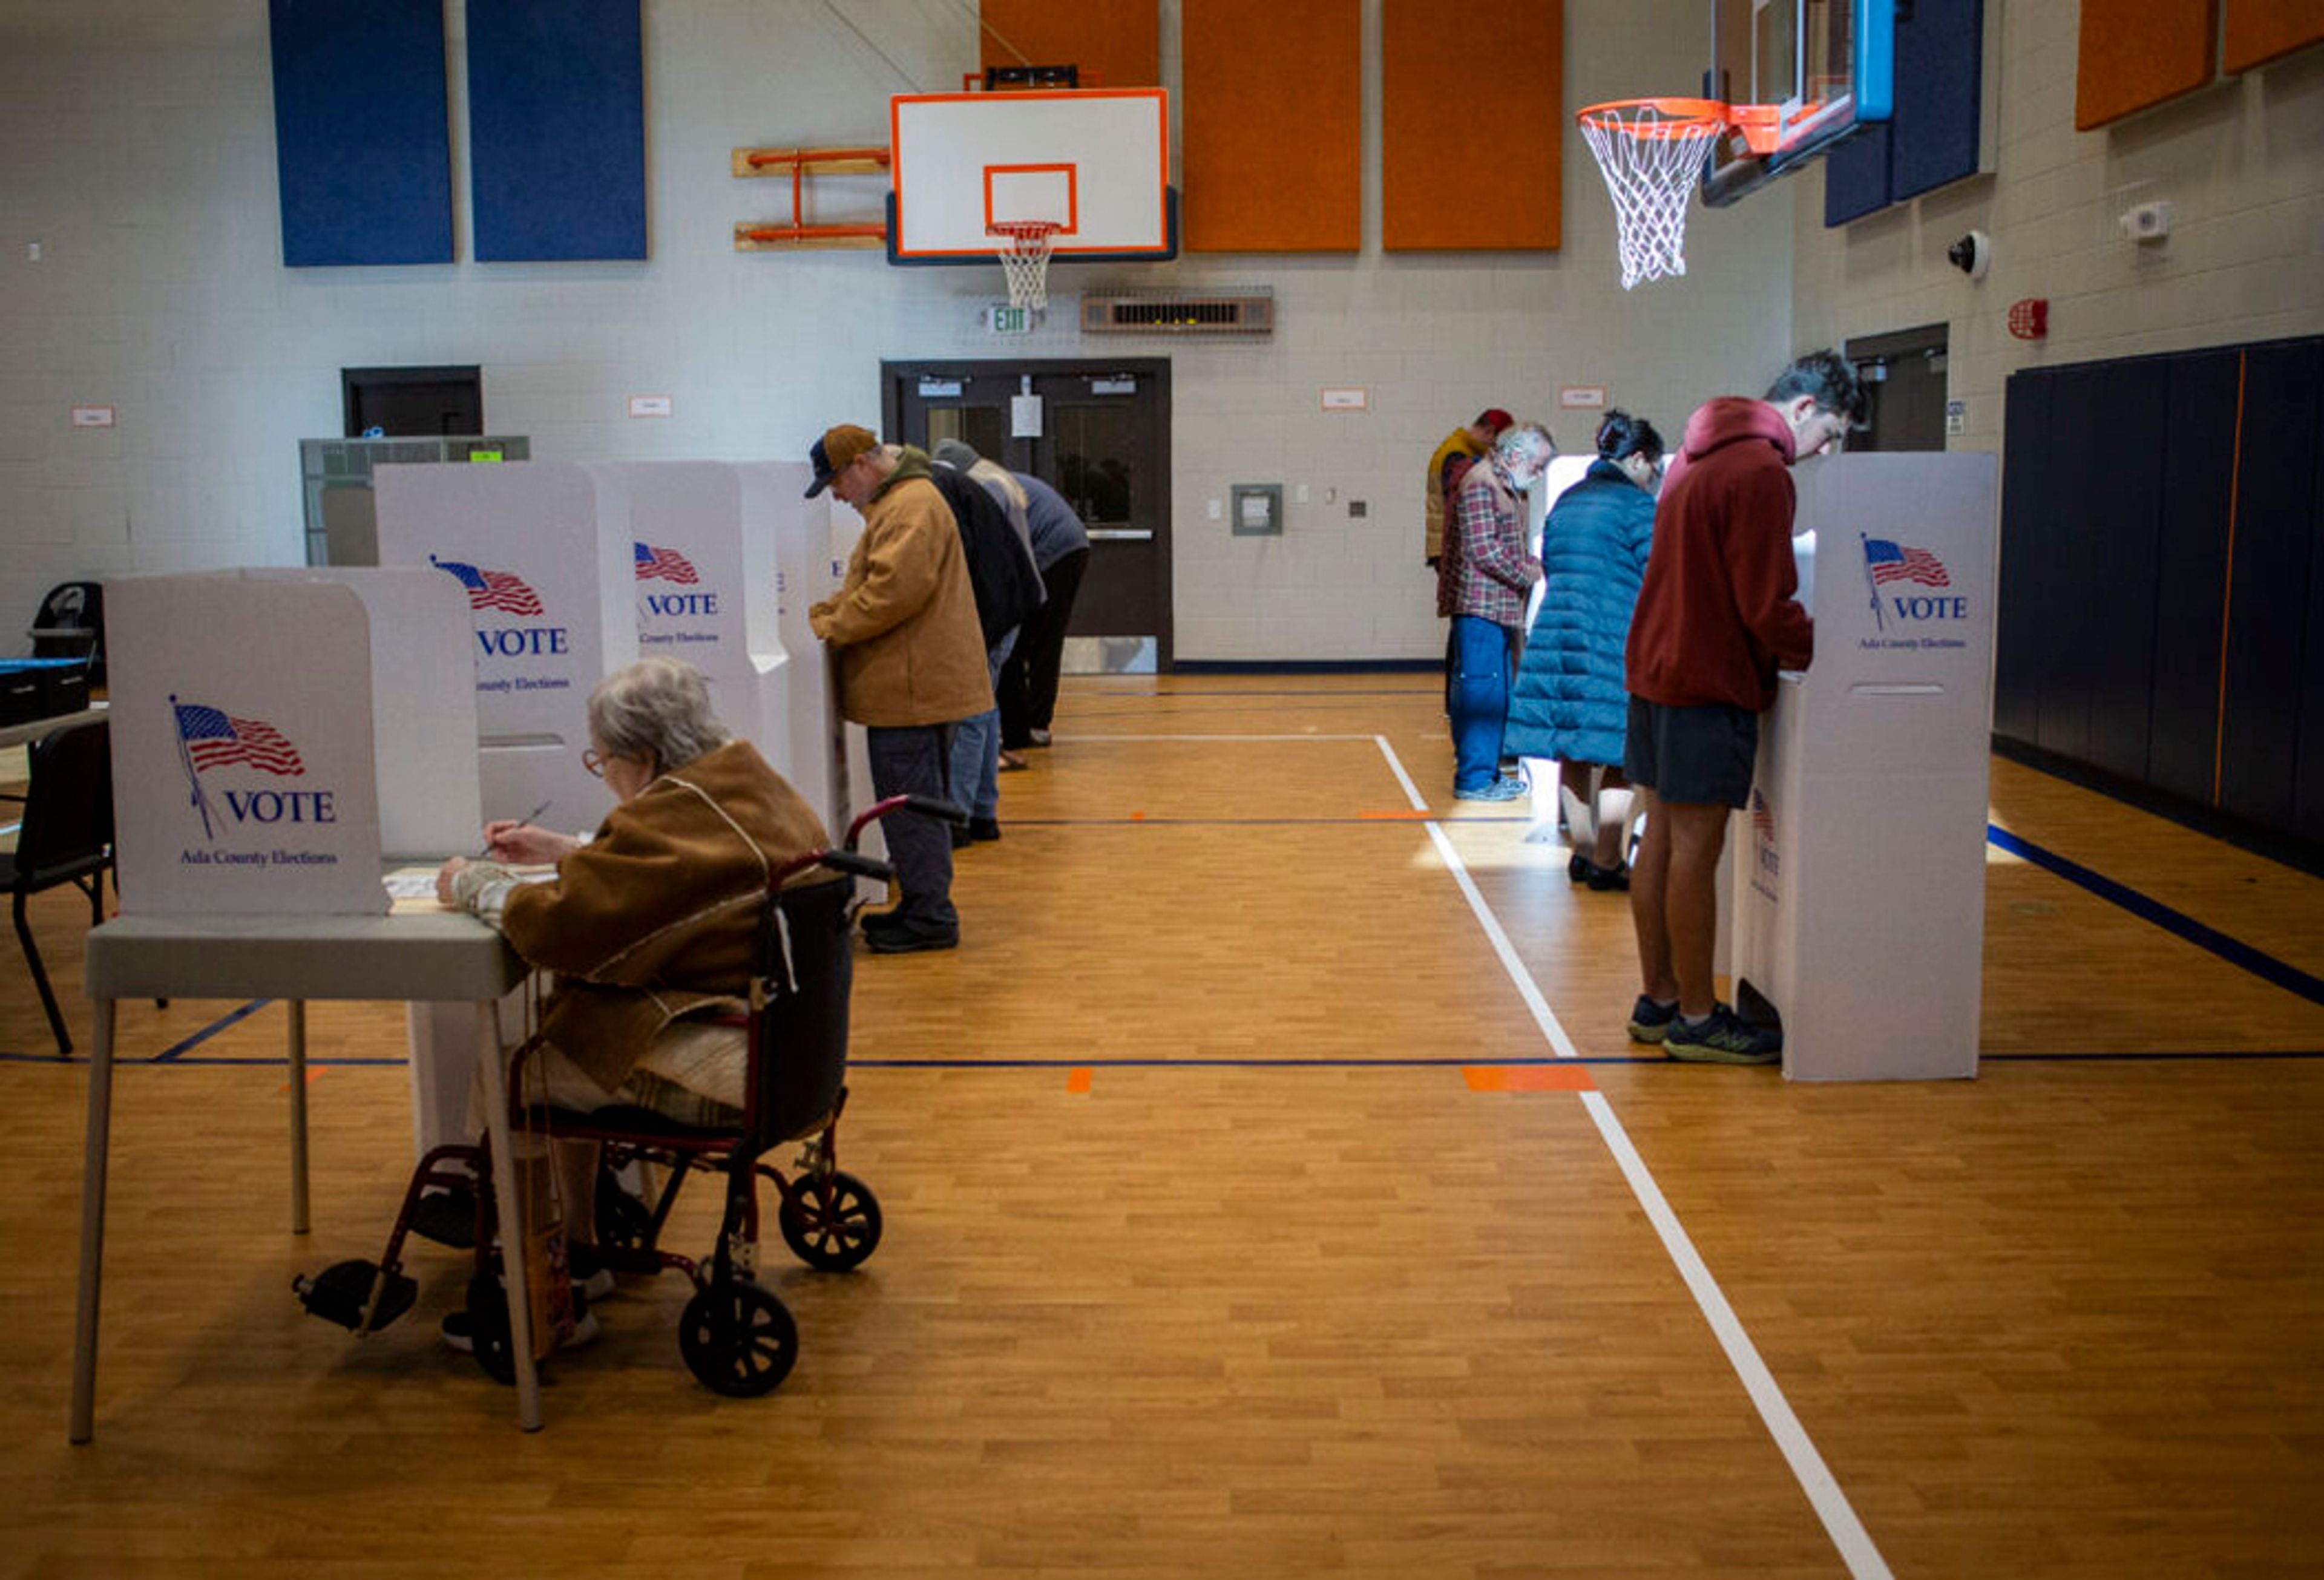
point(1570, 702)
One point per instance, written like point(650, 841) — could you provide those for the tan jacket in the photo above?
point(655, 916)
point(904, 621)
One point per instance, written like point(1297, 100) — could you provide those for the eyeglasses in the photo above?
point(593, 762)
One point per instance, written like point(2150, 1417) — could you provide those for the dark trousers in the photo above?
point(911, 760)
point(1028, 691)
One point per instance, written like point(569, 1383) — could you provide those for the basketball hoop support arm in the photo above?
point(799, 163)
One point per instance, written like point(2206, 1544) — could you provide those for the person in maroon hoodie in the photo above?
point(1716, 619)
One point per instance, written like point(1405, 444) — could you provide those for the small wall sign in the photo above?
point(1347, 400)
point(1582, 397)
point(92, 417)
point(649, 406)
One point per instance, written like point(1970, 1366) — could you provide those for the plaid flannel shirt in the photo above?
point(1494, 574)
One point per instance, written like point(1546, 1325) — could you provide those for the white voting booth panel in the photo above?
point(796, 533)
point(244, 766)
point(1859, 902)
point(423, 707)
point(544, 555)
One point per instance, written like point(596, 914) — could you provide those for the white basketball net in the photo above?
point(1025, 259)
point(1651, 162)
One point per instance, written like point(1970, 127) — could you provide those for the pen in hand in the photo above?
point(485, 854)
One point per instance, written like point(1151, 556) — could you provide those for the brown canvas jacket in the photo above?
point(903, 620)
point(654, 917)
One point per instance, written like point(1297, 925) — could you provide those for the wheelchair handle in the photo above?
point(857, 866)
point(923, 805)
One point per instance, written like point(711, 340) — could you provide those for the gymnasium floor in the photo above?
point(1271, 1190)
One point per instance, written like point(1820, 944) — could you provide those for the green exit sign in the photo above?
point(1011, 320)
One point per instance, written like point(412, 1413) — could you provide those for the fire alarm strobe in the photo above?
point(2030, 319)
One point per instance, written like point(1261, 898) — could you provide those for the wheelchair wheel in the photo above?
point(738, 1339)
point(834, 1232)
point(488, 1325)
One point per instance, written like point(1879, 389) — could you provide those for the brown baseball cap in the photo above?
point(836, 451)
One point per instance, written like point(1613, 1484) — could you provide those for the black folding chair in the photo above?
point(71, 625)
point(66, 837)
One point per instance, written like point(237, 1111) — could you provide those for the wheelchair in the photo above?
point(736, 1336)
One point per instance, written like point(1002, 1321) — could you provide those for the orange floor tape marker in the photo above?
point(1077, 1080)
point(1527, 1077)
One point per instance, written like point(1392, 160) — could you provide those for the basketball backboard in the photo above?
point(1095, 162)
point(1827, 66)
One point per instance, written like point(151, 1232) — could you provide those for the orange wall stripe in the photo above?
point(2227, 594)
point(1459, 119)
point(1272, 136)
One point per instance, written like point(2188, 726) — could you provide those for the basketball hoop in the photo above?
point(1025, 257)
point(1651, 153)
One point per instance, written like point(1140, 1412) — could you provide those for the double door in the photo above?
point(1097, 432)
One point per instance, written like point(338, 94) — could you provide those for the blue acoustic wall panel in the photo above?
point(1856, 176)
point(1940, 95)
point(557, 129)
point(1940, 107)
point(362, 151)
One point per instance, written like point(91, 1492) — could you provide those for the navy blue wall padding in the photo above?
point(2122, 515)
point(363, 154)
point(2308, 777)
point(2191, 570)
point(557, 129)
point(1856, 176)
point(2027, 514)
point(1939, 89)
point(2275, 516)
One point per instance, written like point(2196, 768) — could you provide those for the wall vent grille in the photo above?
point(1247, 313)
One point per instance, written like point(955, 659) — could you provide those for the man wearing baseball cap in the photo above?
point(903, 629)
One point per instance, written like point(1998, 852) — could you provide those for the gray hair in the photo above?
point(657, 708)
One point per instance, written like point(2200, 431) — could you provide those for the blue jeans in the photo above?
point(974, 773)
point(1480, 700)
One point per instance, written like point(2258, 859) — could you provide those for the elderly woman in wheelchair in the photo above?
point(699, 942)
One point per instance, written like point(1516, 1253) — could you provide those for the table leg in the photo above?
point(298, 1007)
point(92, 1224)
point(505, 1195)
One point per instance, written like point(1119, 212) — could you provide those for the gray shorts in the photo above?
point(1702, 756)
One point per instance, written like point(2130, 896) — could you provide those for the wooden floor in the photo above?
point(1225, 1238)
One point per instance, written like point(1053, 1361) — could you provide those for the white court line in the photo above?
point(1815, 1478)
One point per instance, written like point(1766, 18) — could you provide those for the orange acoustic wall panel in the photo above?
point(2258, 30)
point(2137, 53)
point(1117, 44)
point(1472, 126)
point(1271, 114)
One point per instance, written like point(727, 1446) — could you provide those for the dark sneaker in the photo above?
point(1498, 790)
point(904, 941)
point(1606, 878)
point(983, 828)
point(1649, 1021)
point(1577, 870)
point(1726, 1038)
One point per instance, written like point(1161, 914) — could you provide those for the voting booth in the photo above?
point(854, 791)
point(703, 588)
point(269, 745)
point(1858, 902)
point(544, 555)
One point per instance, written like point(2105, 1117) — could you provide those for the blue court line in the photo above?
point(2233, 950)
point(232, 1017)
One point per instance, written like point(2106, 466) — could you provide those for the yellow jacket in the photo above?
point(1456, 443)
point(903, 620)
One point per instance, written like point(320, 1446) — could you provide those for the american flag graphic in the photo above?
point(214, 740)
point(1762, 822)
point(664, 564)
point(491, 588)
point(1892, 562)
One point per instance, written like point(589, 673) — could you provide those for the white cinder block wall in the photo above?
point(136, 146)
point(2241, 162)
